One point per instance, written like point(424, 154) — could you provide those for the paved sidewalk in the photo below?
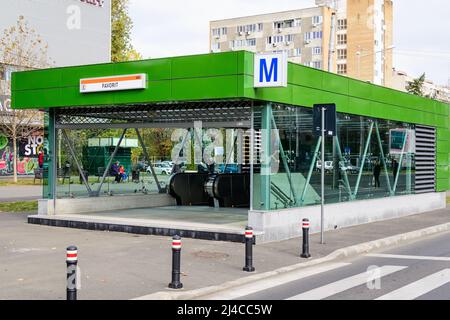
point(20, 193)
point(125, 266)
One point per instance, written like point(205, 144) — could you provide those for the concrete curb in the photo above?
point(338, 254)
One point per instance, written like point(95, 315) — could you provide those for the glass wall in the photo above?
point(369, 158)
point(91, 151)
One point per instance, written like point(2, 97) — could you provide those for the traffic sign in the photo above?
point(330, 119)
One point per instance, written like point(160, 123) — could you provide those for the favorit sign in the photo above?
point(113, 83)
point(270, 70)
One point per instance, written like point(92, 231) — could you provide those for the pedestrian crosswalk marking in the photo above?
point(344, 284)
point(409, 257)
point(419, 287)
point(275, 281)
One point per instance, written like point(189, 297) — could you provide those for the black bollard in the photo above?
point(305, 250)
point(249, 250)
point(72, 260)
point(176, 262)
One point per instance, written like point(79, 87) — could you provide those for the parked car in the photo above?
point(328, 166)
point(231, 168)
point(161, 168)
point(350, 168)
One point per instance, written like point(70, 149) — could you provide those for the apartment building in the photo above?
point(355, 32)
point(400, 81)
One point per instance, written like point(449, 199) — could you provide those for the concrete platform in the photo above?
point(224, 224)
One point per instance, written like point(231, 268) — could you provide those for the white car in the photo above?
point(160, 168)
point(328, 166)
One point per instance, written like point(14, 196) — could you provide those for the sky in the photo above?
point(181, 27)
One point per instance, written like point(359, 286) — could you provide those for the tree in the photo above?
point(416, 86)
point(121, 25)
point(22, 47)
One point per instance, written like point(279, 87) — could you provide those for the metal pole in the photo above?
point(144, 149)
point(80, 170)
point(97, 193)
point(283, 159)
point(249, 250)
point(311, 169)
point(305, 246)
point(252, 155)
point(383, 159)
point(322, 169)
point(176, 262)
point(366, 148)
point(71, 261)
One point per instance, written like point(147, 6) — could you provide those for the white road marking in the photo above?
point(399, 256)
point(419, 287)
point(344, 284)
point(273, 282)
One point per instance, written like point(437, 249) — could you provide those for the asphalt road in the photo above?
point(419, 270)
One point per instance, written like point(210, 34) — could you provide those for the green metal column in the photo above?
point(266, 156)
point(49, 177)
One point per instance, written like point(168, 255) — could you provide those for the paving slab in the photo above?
point(124, 266)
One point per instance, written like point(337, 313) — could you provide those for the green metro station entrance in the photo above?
point(205, 151)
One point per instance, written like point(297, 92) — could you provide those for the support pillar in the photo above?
point(266, 156)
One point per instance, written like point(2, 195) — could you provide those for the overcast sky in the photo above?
point(181, 27)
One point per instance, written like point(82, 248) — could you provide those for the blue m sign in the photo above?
point(268, 73)
point(270, 70)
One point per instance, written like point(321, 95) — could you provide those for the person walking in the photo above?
point(394, 168)
point(376, 173)
point(115, 171)
point(41, 159)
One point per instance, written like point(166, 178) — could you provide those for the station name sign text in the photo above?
point(113, 83)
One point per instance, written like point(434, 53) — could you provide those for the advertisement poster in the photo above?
point(28, 154)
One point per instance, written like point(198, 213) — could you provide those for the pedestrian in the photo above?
point(115, 172)
point(122, 173)
point(376, 173)
point(394, 168)
point(41, 159)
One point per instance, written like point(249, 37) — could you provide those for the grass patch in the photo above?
point(20, 182)
point(20, 206)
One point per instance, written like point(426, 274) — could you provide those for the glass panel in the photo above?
point(361, 162)
point(129, 172)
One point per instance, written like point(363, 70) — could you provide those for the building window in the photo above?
point(342, 54)
point(341, 39)
point(216, 32)
point(297, 52)
point(275, 39)
point(224, 31)
point(317, 35)
point(308, 36)
point(317, 50)
point(289, 38)
point(246, 28)
point(243, 43)
point(215, 46)
point(342, 24)
point(313, 35)
point(260, 27)
point(284, 24)
point(341, 68)
point(316, 64)
point(317, 19)
point(251, 42)
point(298, 22)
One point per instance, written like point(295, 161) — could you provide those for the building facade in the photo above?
point(357, 34)
point(401, 79)
point(71, 32)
